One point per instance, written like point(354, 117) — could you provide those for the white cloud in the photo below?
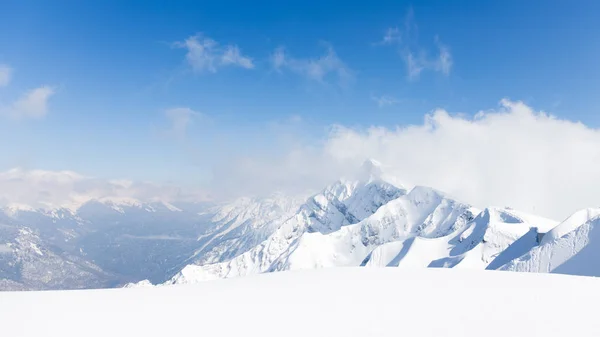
point(278, 59)
point(511, 156)
point(5, 75)
point(33, 104)
point(444, 61)
point(50, 189)
point(392, 35)
point(232, 55)
point(180, 119)
point(383, 101)
point(205, 54)
point(416, 57)
point(414, 66)
point(317, 69)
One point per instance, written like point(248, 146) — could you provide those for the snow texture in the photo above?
point(332, 302)
point(572, 247)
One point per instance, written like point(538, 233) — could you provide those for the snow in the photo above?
point(140, 284)
point(493, 238)
point(119, 203)
point(333, 302)
point(5, 248)
point(171, 208)
point(36, 249)
point(13, 208)
point(571, 223)
point(412, 252)
point(368, 221)
point(572, 247)
point(341, 204)
point(422, 228)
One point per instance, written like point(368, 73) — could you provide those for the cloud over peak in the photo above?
point(511, 156)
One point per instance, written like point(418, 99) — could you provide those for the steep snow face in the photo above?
point(347, 202)
point(258, 211)
point(341, 204)
point(572, 247)
point(423, 228)
point(350, 302)
point(241, 225)
point(488, 241)
point(497, 236)
point(422, 212)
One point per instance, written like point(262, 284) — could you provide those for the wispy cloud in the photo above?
point(179, 120)
point(31, 105)
point(444, 60)
point(5, 75)
point(392, 35)
point(416, 57)
point(233, 56)
point(49, 189)
point(317, 69)
point(207, 55)
point(383, 101)
point(414, 65)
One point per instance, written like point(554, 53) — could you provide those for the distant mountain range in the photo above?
point(370, 221)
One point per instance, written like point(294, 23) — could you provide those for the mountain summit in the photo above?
point(371, 170)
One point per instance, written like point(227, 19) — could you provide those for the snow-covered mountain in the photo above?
point(342, 226)
point(572, 247)
point(494, 237)
point(27, 262)
point(127, 240)
point(421, 228)
point(341, 204)
point(368, 220)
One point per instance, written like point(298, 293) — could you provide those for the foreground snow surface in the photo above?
point(327, 302)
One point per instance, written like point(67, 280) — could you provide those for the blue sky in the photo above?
point(115, 67)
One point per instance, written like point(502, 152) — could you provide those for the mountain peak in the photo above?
point(371, 170)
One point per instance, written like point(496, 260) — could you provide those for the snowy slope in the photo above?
point(333, 302)
point(498, 236)
point(572, 247)
point(133, 240)
point(243, 224)
point(422, 212)
point(341, 204)
point(423, 228)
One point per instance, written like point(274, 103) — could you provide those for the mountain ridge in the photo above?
point(365, 220)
